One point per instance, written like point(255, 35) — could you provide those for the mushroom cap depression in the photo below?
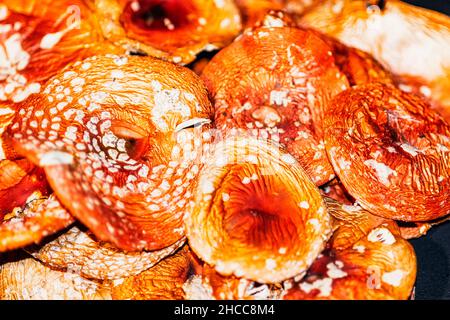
point(114, 136)
point(256, 214)
point(175, 30)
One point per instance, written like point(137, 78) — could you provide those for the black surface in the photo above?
point(433, 263)
point(438, 5)
point(433, 250)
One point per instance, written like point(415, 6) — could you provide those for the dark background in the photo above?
point(433, 250)
point(438, 5)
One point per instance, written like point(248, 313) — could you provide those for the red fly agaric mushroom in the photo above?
point(276, 83)
point(38, 38)
point(391, 152)
point(399, 35)
point(365, 260)
point(256, 214)
point(115, 136)
point(174, 30)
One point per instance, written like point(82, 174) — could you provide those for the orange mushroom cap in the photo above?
point(39, 218)
point(19, 180)
point(175, 30)
point(409, 41)
point(276, 83)
point(27, 213)
point(358, 66)
point(164, 281)
point(253, 11)
point(78, 251)
point(256, 214)
point(24, 278)
point(367, 259)
point(116, 140)
point(38, 39)
point(391, 152)
point(231, 287)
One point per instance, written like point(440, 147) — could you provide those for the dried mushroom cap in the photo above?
point(174, 30)
point(231, 287)
point(376, 264)
point(40, 38)
point(79, 252)
point(276, 83)
point(27, 279)
point(391, 152)
point(401, 36)
point(164, 281)
point(351, 222)
point(114, 136)
point(41, 216)
point(256, 214)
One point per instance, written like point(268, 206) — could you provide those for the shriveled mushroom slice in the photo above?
point(164, 281)
point(79, 252)
point(119, 138)
point(276, 83)
point(175, 30)
point(401, 36)
point(391, 152)
point(372, 261)
point(38, 39)
point(28, 279)
point(256, 214)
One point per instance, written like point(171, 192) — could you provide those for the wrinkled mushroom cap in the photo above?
point(276, 83)
point(391, 152)
point(401, 36)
